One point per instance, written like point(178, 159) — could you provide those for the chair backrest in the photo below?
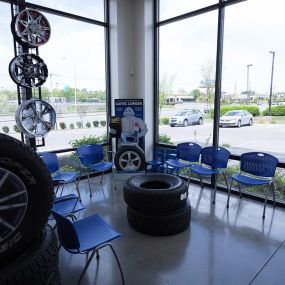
point(189, 151)
point(51, 161)
point(170, 153)
point(66, 233)
point(258, 163)
point(158, 154)
point(216, 157)
point(90, 153)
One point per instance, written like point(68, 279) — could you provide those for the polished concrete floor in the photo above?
point(234, 246)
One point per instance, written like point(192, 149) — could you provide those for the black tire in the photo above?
point(37, 265)
point(26, 192)
point(155, 192)
point(250, 122)
point(239, 124)
point(172, 125)
point(185, 123)
point(129, 158)
point(160, 224)
point(200, 121)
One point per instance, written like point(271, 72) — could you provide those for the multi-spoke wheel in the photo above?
point(31, 28)
point(28, 70)
point(13, 202)
point(25, 198)
point(35, 118)
point(129, 158)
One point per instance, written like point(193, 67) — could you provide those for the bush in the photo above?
point(79, 125)
point(103, 123)
point(164, 139)
point(88, 125)
point(16, 129)
point(95, 124)
point(62, 125)
point(93, 139)
point(254, 110)
point(275, 111)
point(71, 126)
point(6, 129)
point(164, 120)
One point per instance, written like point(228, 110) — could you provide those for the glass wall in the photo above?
point(186, 79)
point(8, 89)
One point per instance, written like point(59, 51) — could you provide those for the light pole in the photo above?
point(271, 81)
point(247, 84)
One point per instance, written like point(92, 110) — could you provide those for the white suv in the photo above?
point(187, 117)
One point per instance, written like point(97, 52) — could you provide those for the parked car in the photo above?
point(236, 118)
point(187, 117)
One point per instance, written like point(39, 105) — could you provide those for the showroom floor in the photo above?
point(221, 246)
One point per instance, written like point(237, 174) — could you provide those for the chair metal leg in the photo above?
point(118, 262)
point(239, 189)
point(77, 188)
point(86, 267)
point(59, 184)
point(101, 180)
point(229, 193)
point(273, 193)
point(216, 182)
point(113, 173)
point(62, 189)
point(226, 181)
point(189, 177)
point(201, 182)
point(89, 182)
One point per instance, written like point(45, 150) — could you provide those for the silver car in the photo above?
point(187, 117)
point(236, 118)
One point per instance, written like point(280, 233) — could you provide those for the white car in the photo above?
point(187, 117)
point(236, 118)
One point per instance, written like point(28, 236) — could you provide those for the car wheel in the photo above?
point(185, 123)
point(172, 126)
point(250, 122)
point(239, 124)
point(200, 122)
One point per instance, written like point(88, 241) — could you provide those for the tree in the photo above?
point(165, 89)
point(195, 93)
point(207, 72)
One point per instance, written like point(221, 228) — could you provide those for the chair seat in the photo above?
point(205, 170)
point(93, 231)
point(67, 205)
point(102, 166)
point(177, 164)
point(65, 176)
point(154, 162)
point(248, 180)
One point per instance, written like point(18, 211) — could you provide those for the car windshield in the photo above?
point(181, 113)
point(233, 113)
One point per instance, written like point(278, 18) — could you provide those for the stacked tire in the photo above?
point(157, 204)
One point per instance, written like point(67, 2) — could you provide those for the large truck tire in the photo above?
point(38, 265)
point(26, 193)
point(155, 192)
point(160, 224)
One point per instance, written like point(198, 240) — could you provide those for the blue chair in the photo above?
point(60, 177)
point(170, 153)
point(188, 153)
point(158, 160)
point(87, 235)
point(91, 157)
point(256, 169)
point(214, 161)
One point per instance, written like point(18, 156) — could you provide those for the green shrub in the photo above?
point(95, 124)
point(62, 125)
point(92, 139)
point(164, 139)
point(164, 120)
point(88, 125)
point(103, 123)
point(16, 129)
point(71, 126)
point(254, 110)
point(6, 129)
point(275, 111)
point(79, 125)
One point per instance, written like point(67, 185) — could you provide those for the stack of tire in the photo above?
point(157, 204)
point(28, 246)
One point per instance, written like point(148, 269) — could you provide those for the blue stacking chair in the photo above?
point(256, 169)
point(91, 157)
point(170, 153)
point(214, 161)
point(188, 153)
point(60, 177)
point(158, 160)
point(86, 235)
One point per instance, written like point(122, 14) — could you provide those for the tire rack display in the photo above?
point(157, 204)
point(30, 29)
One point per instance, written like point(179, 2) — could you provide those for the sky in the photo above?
point(75, 52)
